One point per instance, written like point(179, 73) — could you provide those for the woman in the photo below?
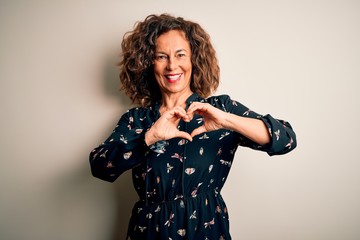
point(180, 143)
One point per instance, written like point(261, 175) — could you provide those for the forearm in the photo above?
point(150, 137)
point(252, 128)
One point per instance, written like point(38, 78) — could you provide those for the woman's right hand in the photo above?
point(166, 127)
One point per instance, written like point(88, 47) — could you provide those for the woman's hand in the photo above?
point(214, 118)
point(166, 127)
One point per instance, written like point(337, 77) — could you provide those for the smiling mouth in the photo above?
point(173, 77)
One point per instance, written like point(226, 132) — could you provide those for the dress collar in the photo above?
point(192, 98)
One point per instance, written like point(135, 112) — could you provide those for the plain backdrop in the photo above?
point(297, 60)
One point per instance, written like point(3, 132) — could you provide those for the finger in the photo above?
point(179, 111)
point(193, 107)
point(195, 112)
point(197, 109)
point(174, 114)
point(185, 135)
point(198, 131)
point(192, 110)
point(187, 118)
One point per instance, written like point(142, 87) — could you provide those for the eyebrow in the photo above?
point(177, 51)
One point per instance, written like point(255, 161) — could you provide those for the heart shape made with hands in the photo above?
point(166, 127)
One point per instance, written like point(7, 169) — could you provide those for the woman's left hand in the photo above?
point(214, 118)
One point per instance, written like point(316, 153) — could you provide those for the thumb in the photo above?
point(185, 135)
point(198, 131)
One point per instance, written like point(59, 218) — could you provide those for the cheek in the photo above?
point(189, 66)
point(189, 69)
point(157, 76)
point(157, 69)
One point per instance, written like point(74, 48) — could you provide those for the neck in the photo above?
point(170, 101)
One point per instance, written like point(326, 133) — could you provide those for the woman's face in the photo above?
point(172, 63)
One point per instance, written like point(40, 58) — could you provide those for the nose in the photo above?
point(171, 64)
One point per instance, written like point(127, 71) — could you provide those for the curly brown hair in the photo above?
point(138, 49)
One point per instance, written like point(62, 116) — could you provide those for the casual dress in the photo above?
point(178, 181)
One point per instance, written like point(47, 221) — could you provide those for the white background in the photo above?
point(297, 60)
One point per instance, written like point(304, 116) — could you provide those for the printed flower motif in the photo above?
point(138, 131)
point(246, 113)
point(201, 151)
point(176, 155)
point(182, 204)
point(204, 136)
point(218, 209)
point(226, 163)
point(194, 192)
point(181, 232)
point(189, 171)
point(223, 107)
point(224, 135)
point(159, 147)
point(199, 120)
point(123, 139)
point(289, 145)
point(169, 168)
point(170, 220)
point(158, 209)
point(103, 155)
point(143, 175)
point(193, 215)
point(182, 142)
point(277, 134)
point(151, 193)
point(127, 155)
point(208, 224)
point(219, 152)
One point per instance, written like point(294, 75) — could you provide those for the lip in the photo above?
point(172, 78)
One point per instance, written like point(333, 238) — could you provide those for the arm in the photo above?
point(255, 131)
point(123, 150)
point(251, 128)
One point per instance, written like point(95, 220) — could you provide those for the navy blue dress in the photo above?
point(179, 182)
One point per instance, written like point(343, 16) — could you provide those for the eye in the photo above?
point(181, 55)
point(161, 57)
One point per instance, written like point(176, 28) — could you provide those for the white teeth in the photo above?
point(173, 77)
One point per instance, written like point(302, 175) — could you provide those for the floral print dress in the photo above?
point(179, 182)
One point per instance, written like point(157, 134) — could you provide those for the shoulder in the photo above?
point(219, 99)
point(138, 112)
point(224, 102)
point(141, 116)
point(222, 97)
